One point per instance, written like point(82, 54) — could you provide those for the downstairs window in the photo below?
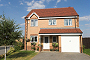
point(33, 38)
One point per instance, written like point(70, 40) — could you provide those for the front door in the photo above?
point(46, 42)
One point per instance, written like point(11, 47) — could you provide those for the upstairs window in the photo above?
point(34, 22)
point(67, 22)
point(33, 38)
point(52, 22)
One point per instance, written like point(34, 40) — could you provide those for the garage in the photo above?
point(70, 44)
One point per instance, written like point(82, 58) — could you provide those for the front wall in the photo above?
point(59, 24)
point(45, 24)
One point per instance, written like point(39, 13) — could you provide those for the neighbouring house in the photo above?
point(47, 26)
point(21, 40)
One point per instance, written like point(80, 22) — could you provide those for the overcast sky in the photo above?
point(18, 9)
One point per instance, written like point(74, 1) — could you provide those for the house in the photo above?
point(46, 26)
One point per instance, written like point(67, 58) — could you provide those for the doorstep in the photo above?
point(49, 51)
point(36, 51)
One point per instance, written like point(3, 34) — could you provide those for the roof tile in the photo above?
point(77, 30)
point(53, 12)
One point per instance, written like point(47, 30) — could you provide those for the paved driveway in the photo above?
point(60, 56)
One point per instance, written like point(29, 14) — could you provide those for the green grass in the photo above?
point(21, 55)
point(87, 51)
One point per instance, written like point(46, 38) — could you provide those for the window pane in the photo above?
point(54, 39)
point(32, 22)
point(50, 22)
point(35, 39)
point(70, 21)
point(66, 22)
point(54, 22)
point(32, 39)
point(46, 39)
point(36, 22)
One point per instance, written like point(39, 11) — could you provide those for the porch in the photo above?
point(46, 42)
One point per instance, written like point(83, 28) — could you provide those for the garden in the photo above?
point(86, 51)
point(21, 55)
point(16, 53)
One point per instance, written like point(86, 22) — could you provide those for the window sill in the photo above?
point(52, 25)
point(33, 42)
point(33, 26)
point(54, 42)
point(67, 25)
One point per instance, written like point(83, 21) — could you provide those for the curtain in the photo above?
point(36, 22)
point(66, 22)
point(32, 22)
point(70, 21)
point(54, 22)
point(30, 38)
point(50, 22)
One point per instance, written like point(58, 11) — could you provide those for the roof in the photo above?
point(54, 12)
point(74, 30)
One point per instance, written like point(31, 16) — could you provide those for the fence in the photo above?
point(86, 42)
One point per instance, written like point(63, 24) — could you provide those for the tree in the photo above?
point(8, 31)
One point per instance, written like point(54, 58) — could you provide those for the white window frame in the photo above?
point(34, 38)
point(56, 39)
point(52, 21)
point(34, 22)
point(68, 22)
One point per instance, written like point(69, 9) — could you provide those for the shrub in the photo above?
point(55, 44)
point(0, 44)
point(18, 46)
point(33, 48)
point(51, 49)
point(27, 40)
point(57, 50)
point(7, 54)
point(39, 45)
point(37, 49)
point(84, 47)
point(11, 50)
point(33, 43)
point(2, 56)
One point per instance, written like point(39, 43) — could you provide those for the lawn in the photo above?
point(87, 51)
point(21, 55)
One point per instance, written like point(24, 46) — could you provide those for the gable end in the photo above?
point(32, 15)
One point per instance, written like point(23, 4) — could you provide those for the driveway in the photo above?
point(60, 56)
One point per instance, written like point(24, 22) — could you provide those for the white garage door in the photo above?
point(70, 44)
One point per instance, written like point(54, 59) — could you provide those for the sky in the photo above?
point(18, 9)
